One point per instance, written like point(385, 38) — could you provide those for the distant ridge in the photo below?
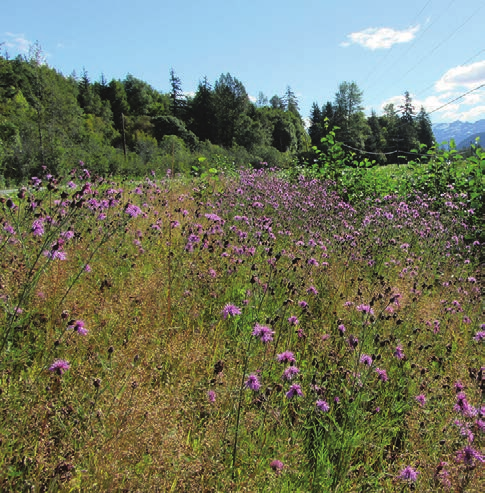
point(465, 144)
point(461, 132)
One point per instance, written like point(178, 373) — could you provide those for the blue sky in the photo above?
point(434, 49)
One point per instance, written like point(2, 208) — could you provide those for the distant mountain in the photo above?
point(459, 131)
point(465, 144)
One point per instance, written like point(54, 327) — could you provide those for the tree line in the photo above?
point(389, 138)
point(128, 127)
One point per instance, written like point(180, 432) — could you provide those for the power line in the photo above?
point(416, 17)
point(461, 65)
point(442, 42)
point(418, 38)
point(397, 151)
point(457, 98)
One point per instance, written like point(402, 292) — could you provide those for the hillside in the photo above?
point(458, 130)
point(465, 144)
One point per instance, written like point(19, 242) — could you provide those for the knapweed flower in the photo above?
point(38, 227)
point(59, 366)
point(264, 333)
point(462, 406)
point(468, 455)
point(353, 341)
point(421, 398)
point(312, 290)
point(322, 406)
point(479, 336)
point(211, 395)
point(276, 466)
point(293, 320)
point(55, 254)
point(408, 474)
point(365, 309)
point(252, 382)
point(230, 310)
point(286, 357)
point(78, 326)
point(398, 352)
point(365, 359)
point(213, 217)
point(133, 210)
point(290, 372)
point(382, 375)
point(341, 328)
point(295, 390)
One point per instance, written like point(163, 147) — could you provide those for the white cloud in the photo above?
point(470, 115)
point(468, 108)
point(17, 42)
point(375, 38)
point(463, 76)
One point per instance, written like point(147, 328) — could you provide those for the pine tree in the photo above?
point(424, 129)
point(202, 112)
point(290, 101)
point(407, 131)
point(176, 95)
point(316, 130)
point(230, 101)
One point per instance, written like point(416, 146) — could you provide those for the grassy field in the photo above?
point(246, 333)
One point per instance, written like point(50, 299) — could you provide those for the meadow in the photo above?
point(246, 331)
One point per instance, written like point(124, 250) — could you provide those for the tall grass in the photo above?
point(244, 333)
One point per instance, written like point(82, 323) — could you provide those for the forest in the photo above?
point(128, 128)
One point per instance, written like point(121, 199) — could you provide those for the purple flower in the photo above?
point(290, 372)
point(293, 320)
point(421, 398)
point(462, 406)
point(408, 474)
point(365, 309)
point(365, 359)
point(133, 210)
point(213, 217)
point(211, 395)
point(312, 290)
point(353, 341)
point(303, 304)
point(468, 455)
point(286, 357)
point(295, 389)
point(263, 332)
point(252, 382)
point(341, 327)
point(382, 375)
point(398, 352)
point(55, 254)
point(59, 366)
point(38, 227)
point(230, 310)
point(479, 336)
point(78, 326)
point(322, 406)
point(276, 466)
